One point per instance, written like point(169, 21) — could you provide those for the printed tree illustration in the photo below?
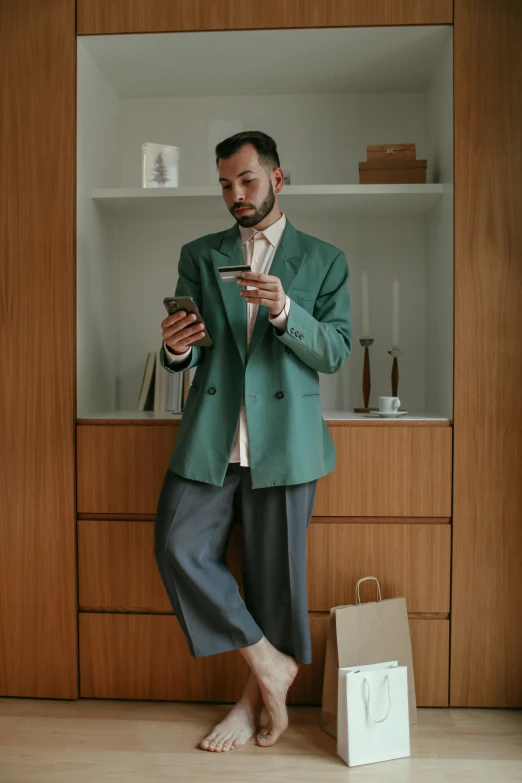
point(160, 170)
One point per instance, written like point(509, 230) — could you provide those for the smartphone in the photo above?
point(230, 273)
point(175, 303)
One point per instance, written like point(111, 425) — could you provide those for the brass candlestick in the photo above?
point(395, 352)
point(366, 383)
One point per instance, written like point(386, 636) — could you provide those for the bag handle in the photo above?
point(357, 592)
point(367, 700)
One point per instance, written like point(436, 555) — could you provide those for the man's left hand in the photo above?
point(268, 291)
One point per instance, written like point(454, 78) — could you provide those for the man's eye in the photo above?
point(226, 187)
point(248, 180)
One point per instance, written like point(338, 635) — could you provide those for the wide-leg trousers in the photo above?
point(193, 524)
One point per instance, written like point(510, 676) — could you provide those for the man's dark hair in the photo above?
point(264, 144)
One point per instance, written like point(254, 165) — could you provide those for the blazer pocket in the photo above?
point(311, 394)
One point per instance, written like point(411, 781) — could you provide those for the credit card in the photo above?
point(230, 273)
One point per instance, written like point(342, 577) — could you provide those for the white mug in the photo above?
point(389, 404)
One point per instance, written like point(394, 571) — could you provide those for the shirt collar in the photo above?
point(273, 233)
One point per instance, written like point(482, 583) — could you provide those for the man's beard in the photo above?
point(261, 212)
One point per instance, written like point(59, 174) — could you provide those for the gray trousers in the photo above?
point(193, 525)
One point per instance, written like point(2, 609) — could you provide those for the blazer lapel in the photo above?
point(230, 254)
point(286, 264)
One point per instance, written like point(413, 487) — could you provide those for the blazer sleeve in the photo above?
point(188, 284)
point(323, 340)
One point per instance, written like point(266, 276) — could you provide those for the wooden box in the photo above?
point(393, 172)
point(392, 164)
point(392, 152)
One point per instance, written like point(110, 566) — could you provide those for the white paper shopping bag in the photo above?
point(372, 713)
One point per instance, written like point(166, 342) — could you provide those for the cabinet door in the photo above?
point(139, 656)
point(409, 560)
point(117, 569)
point(121, 467)
point(486, 634)
point(38, 618)
point(381, 471)
point(389, 471)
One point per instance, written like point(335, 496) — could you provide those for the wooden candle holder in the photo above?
point(366, 383)
point(395, 353)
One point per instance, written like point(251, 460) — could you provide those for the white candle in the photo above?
point(395, 315)
point(365, 306)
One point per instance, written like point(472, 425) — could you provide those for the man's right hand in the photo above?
point(179, 331)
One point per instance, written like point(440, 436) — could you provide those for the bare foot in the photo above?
point(240, 724)
point(275, 673)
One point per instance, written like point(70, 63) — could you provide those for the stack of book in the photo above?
point(162, 391)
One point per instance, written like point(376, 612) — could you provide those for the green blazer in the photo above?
point(289, 441)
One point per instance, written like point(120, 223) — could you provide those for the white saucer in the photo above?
point(391, 415)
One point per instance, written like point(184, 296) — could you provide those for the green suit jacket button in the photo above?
point(212, 390)
point(280, 395)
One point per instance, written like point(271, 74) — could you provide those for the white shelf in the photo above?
point(151, 416)
point(316, 200)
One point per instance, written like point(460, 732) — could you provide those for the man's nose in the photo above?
point(238, 193)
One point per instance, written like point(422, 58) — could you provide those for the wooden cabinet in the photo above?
point(124, 607)
point(119, 471)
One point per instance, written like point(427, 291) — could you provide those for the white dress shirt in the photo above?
point(259, 248)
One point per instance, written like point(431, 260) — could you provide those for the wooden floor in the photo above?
point(96, 741)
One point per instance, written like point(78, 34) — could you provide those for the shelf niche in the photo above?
point(324, 95)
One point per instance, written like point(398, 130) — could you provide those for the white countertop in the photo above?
point(148, 416)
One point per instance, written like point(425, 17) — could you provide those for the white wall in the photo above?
point(439, 241)
point(97, 166)
point(386, 247)
point(323, 136)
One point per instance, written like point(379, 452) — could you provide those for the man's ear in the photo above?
point(278, 179)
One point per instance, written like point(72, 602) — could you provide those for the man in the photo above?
point(252, 442)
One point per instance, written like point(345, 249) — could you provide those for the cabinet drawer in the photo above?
point(116, 567)
point(117, 570)
point(121, 467)
point(388, 472)
point(139, 656)
point(409, 560)
point(381, 471)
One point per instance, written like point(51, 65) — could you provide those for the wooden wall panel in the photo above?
point(139, 656)
point(117, 570)
point(388, 471)
point(121, 467)
point(487, 543)
point(96, 17)
point(38, 645)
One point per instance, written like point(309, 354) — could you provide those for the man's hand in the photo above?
point(268, 291)
point(179, 332)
